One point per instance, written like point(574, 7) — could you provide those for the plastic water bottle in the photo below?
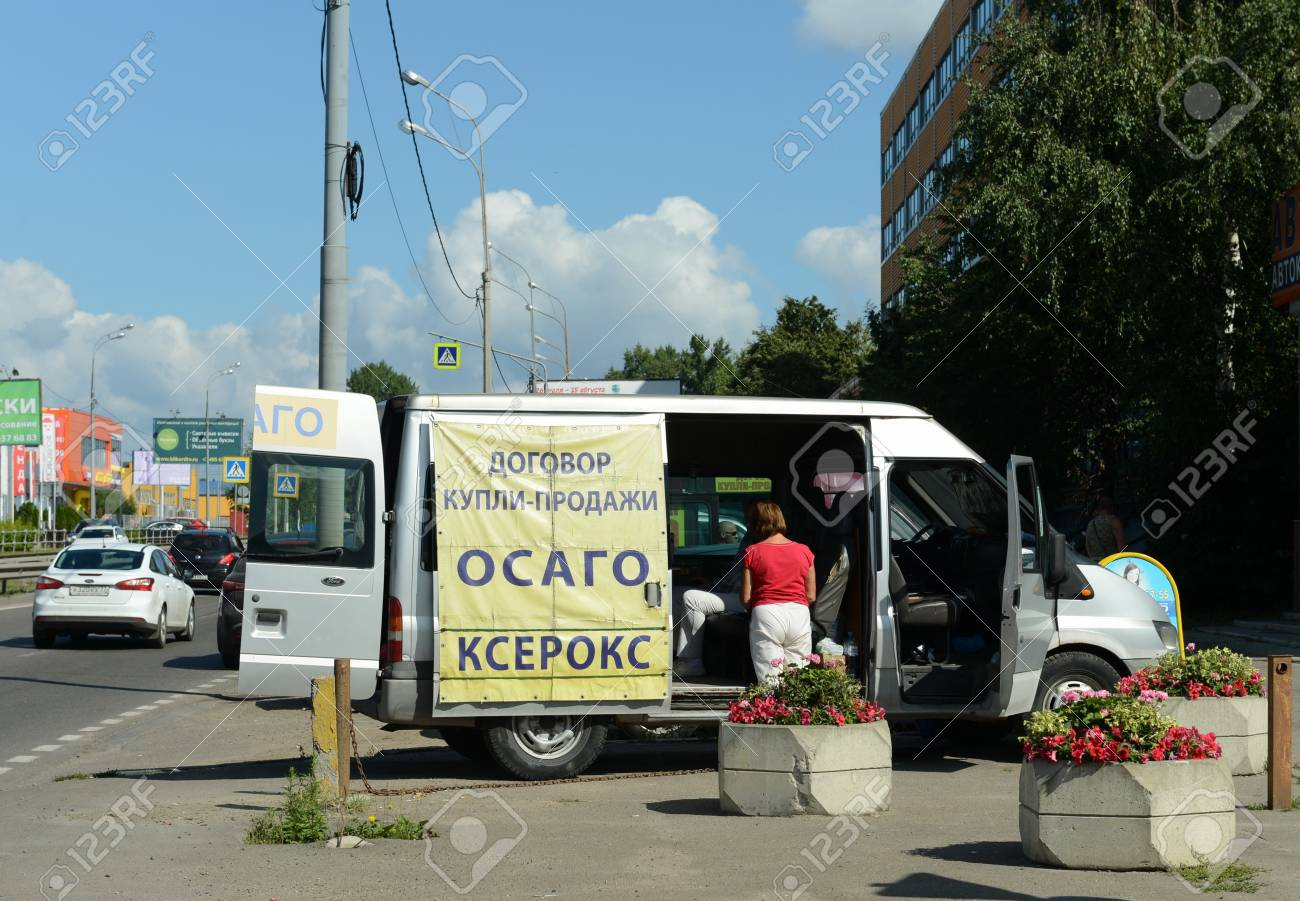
point(851, 655)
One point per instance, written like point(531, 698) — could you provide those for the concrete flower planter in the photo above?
point(1239, 724)
point(1126, 816)
point(781, 771)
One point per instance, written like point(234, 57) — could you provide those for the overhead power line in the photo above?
point(393, 198)
point(392, 31)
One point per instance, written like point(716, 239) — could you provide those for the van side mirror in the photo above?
point(1057, 561)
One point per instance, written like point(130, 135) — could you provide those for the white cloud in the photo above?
point(849, 256)
point(673, 250)
point(164, 363)
point(857, 24)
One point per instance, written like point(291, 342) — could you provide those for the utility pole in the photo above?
point(332, 362)
point(334, 250)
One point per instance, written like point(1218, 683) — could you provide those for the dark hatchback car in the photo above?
point(205, 556)
point(230, 618)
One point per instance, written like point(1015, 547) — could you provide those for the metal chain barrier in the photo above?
point(480, 786)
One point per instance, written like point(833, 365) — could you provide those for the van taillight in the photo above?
point(390, 649)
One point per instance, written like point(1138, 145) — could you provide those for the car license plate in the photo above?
point(81, 590)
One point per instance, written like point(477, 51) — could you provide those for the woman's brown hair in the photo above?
point(764, 519)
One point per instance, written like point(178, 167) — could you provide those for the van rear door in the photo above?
point(314, 579)
point(1028, 614)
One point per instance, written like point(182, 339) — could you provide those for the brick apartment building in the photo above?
point(916, 131)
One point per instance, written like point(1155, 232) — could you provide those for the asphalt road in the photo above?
point(55, 700)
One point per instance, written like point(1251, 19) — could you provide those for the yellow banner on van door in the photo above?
point(551, 544)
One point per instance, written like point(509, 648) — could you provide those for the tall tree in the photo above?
point(703, 368)
point(806, 353)
point(1094, 313)
point(380, 381)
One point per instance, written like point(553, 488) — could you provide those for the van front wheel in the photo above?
point(546, 747)
point(1072, 671)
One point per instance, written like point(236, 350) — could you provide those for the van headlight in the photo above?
point(1168, 633)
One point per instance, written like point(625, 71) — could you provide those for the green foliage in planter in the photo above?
point(1212, 673)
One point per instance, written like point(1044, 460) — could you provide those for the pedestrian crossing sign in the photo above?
point(446, 355)
point(236, 470)
point(286, 484)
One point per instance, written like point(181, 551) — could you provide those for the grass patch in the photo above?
point(71, 777)
point(1235, 877)
point(20, 586)
point(305, 814)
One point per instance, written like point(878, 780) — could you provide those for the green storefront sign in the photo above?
point(20, 412)
point(190, 440)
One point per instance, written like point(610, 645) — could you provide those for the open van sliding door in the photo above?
point(1028, 614)
point(316, 542)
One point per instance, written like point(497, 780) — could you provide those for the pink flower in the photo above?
point(776, 661)
point(1070, 697)
point(814, 659)
point(1191, 647)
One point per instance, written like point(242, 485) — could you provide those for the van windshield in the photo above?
point(312, 509)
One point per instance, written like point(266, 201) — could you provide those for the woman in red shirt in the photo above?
point(777, 586)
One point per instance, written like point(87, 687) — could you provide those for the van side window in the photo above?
point(428, 527)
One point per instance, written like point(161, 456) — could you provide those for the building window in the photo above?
point(945, 157)
point(946, 74)
point(931, 193)
point(927, 100)
point(913, 124)
point(886, 239)
point(887, 161)
point(914, 208)
point(964, 45)
point(900, 148)
point(982, 16)
point(899, 231)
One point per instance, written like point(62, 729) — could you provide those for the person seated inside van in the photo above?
point(696, 605)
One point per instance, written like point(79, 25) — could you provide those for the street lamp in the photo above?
point(207, 440)
point(406, 125)
point(116, 335)
point(528, 301)
point(533, 308)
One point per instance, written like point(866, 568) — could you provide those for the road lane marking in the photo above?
point(130, 713)
point(181, 695)
point(71, 737)
point(90, 729)
point(3, 770)
point(22, 758)
point(45, 749)
point(110, 722)
point(146, 707)
point(162, 701)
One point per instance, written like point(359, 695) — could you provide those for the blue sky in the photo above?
point(646, 124)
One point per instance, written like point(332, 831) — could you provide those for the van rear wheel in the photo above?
point(1073, 671)
point(546, 747)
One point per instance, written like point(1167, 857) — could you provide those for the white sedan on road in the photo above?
point(98, 535)
point(120, 589)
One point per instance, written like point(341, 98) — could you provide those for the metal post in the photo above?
point(207, 454)
point(1279, 732)
point(94, 469)
point(487, 284)
point(343, 721)
point(332, 363)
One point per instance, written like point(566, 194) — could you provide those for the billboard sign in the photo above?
point(1286, 250)
point(146, 470)
point(20, 412)
point(190, 440)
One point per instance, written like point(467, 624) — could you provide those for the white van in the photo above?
point(506, 566)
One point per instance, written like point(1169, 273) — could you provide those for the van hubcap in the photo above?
point(546, 737)
point(1069, 683)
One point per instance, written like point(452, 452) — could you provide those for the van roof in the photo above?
point(661, 403)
